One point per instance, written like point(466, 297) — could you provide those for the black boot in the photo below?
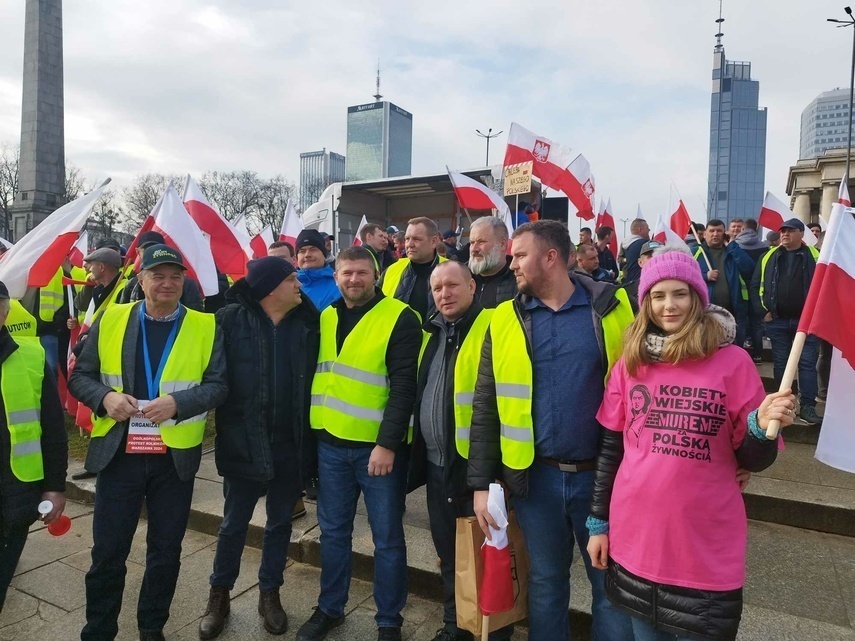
point(318, 625)
point(214, 619)
point(269, 606)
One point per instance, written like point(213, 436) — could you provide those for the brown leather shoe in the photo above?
point(214, 619)
point(270, 607)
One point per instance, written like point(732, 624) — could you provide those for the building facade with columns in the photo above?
point(813, 184)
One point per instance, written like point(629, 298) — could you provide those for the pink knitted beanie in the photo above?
point(676, 265)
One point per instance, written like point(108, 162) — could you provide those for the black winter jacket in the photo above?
point(485, 454)
point(455, 468)
point(493, 290)
point(19, 500)
point(769, 301)
point(243, 447)
point(408, 282)
point(697, 614)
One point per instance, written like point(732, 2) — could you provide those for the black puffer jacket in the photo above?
point(19, 500)
point(697, 614)
point(455, 468)
point(490, 291)
point(243, 447)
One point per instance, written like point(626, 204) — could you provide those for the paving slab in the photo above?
point(42, 548)
point(56, 583)
point(29, 626)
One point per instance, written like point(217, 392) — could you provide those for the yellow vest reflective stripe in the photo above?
point(51, 297)
point(512, 369)
point(465, 375)
point(20, 322)
point(395, 273)
point(21, 382)
point(184, 369)
point(765, 260)
point(351, 387)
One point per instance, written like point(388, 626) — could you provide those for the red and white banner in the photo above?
point(473, 194)
point(357, 241)
point(550, 159)
point(261, 241)
point(680, 221)
point(667, 236)
point(497, 585)
point(830, 303)
point(79, 250)
point(227, 243)
point(35, 259)
point(292, 224)
point(6, 243)
point(580, 188)
point(774, 212)
point(605, 219)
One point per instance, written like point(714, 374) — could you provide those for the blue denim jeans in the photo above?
point(342, 475)
point(782, 332)
point(551, 518)
point(241, 495)
point(50, 343)
point(643, 631)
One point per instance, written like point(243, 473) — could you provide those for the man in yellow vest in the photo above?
point(362, 399)
point(408, 279)
point(33, 443)
point(150, 372)
point(540, 383)
point(19, 321)
point(442, 416)
point(46, 305)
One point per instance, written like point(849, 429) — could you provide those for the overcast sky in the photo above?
point(180, 86)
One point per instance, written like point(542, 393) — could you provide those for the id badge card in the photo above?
point(143, 435)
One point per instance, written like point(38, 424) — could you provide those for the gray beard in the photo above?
point(486, 264)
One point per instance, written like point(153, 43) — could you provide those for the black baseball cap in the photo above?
point(450, 234)
point(4, 291)
point(792, 223)
point(155, 255)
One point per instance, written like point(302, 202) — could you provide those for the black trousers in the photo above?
point(12, 540)
point(122, 487)
point(443, 529)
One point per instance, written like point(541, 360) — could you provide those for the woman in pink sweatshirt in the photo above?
point(684, 408)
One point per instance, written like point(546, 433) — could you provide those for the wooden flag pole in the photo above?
point(485, 627)
point(787, 380)
point(698, 238)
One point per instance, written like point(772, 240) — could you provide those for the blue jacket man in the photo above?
point(316, 276)
point(728, 279)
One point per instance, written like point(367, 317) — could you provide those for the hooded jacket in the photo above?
point(752, 244)
point(243, 444)
point(738, 269)
point(319, 285)
point(630, 249)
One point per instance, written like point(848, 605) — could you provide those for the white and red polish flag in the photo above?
point(357, 241)
point(292, 224)
point(34, 260)
point(79, 249)
point(605, 219)
point(680, 221)
point(549, 159)
point(774, 212)
point(227, 243)
point(473, 194)
point(261, 242)
point(830, 303)
point(667, 236)
point(638, 213)
point(580, 188)
point(497, 585)
point(6, 243)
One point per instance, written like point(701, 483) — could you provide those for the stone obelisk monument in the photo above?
point(41, 177)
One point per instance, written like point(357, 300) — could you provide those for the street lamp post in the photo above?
point(488, 135)
point(849, 23)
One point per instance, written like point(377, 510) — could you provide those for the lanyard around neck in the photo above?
point(153, 382)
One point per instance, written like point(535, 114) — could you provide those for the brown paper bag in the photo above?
point(469, 571)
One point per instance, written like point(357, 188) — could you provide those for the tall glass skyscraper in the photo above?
point(825, 124)
point(379, 141)
point(737, 169)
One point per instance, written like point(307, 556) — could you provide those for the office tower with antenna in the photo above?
point(737, 161)
point(379, 139)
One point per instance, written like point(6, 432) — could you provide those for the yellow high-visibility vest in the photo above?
point(51, 297)
point(351, 387)
point(765, 260)
point(20, 322)
point(21, 385)
point(512, 369)
point(184, 369)
point(465, 376)
point(395, 273)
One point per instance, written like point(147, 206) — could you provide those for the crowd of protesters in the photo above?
point(412, 361)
